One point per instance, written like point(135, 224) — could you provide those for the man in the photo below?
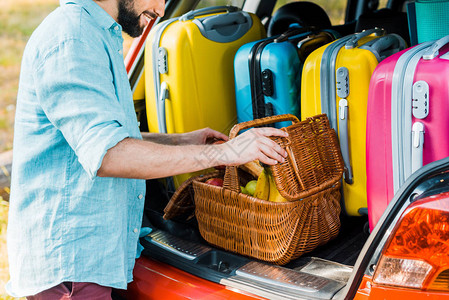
point(77, 190)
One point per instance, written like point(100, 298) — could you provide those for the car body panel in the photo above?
point(154, 279)
point(370, 291)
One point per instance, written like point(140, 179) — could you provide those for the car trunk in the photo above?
point(319, 274)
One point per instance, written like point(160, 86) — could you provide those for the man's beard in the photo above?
point(128, 18)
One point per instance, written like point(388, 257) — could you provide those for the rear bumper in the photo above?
point(154, 279)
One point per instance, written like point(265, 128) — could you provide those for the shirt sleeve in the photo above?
point(76, 91)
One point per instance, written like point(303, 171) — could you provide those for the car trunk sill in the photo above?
point(316, 278)
point(177, 246)
point(276, 282)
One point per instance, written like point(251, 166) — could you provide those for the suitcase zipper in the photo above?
point(420, 110)
point(257, 97)
point(401, 113)
point(412, 154)
point(333, 82)
point(160, 90)
point(327, 82)
point(260, 81)
point(342, 81)
point(328, 97)
point(327, 72)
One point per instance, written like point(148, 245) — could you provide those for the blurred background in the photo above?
point(18, 19)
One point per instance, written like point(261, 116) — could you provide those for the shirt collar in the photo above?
point(93, 9)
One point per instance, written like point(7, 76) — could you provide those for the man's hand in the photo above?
point(202, 136)
point(254, 144)
point(133, 158)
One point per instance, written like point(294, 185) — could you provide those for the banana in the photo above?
point(262, 186)
point(275, 196)
point(253, 168)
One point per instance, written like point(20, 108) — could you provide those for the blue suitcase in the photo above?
point(268, 73)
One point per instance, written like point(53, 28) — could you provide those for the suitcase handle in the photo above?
point(225, 28)
point(385, 46)
point(207, 11)
point(388, 41)
point(354, 41)
point(433, 51)
point(292, 32)
point(309, 44)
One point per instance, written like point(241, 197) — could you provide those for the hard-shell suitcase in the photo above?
point(191, 62)
point(408, 119)
point(268, 73)
point(335, 81)
point(189, 82)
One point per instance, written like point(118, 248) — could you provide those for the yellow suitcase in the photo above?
point(189, 73)
point(335, 81)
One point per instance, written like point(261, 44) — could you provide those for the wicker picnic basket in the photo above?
point(181, 204)
point(278, 232)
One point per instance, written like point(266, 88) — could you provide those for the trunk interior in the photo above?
point(319, 274)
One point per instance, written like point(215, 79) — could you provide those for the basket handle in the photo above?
point(231, 181)
point(291, 156)
point(260, 122)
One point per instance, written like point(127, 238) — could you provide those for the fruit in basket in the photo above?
point(253, 168)
point(243, 190)
point(251, 187)
point(262, 186)
point(275, 196)
point(215, 181)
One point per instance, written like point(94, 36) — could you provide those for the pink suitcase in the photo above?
point(407, 121)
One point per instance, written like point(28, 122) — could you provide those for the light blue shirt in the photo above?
point(74, 103)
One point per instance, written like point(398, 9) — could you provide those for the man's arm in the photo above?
point(132, 158)
point(197, 137)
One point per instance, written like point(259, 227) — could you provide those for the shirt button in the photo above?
point(120, 51)
point(116, 27)
point(136, 230)
point(140, 196)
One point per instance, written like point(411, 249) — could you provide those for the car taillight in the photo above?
point(417, 253)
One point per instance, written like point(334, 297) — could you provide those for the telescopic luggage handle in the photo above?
point(206, 11)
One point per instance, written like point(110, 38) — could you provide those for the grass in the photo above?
point(18, 19)
point(4, 273)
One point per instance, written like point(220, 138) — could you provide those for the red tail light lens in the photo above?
point(417, 253)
